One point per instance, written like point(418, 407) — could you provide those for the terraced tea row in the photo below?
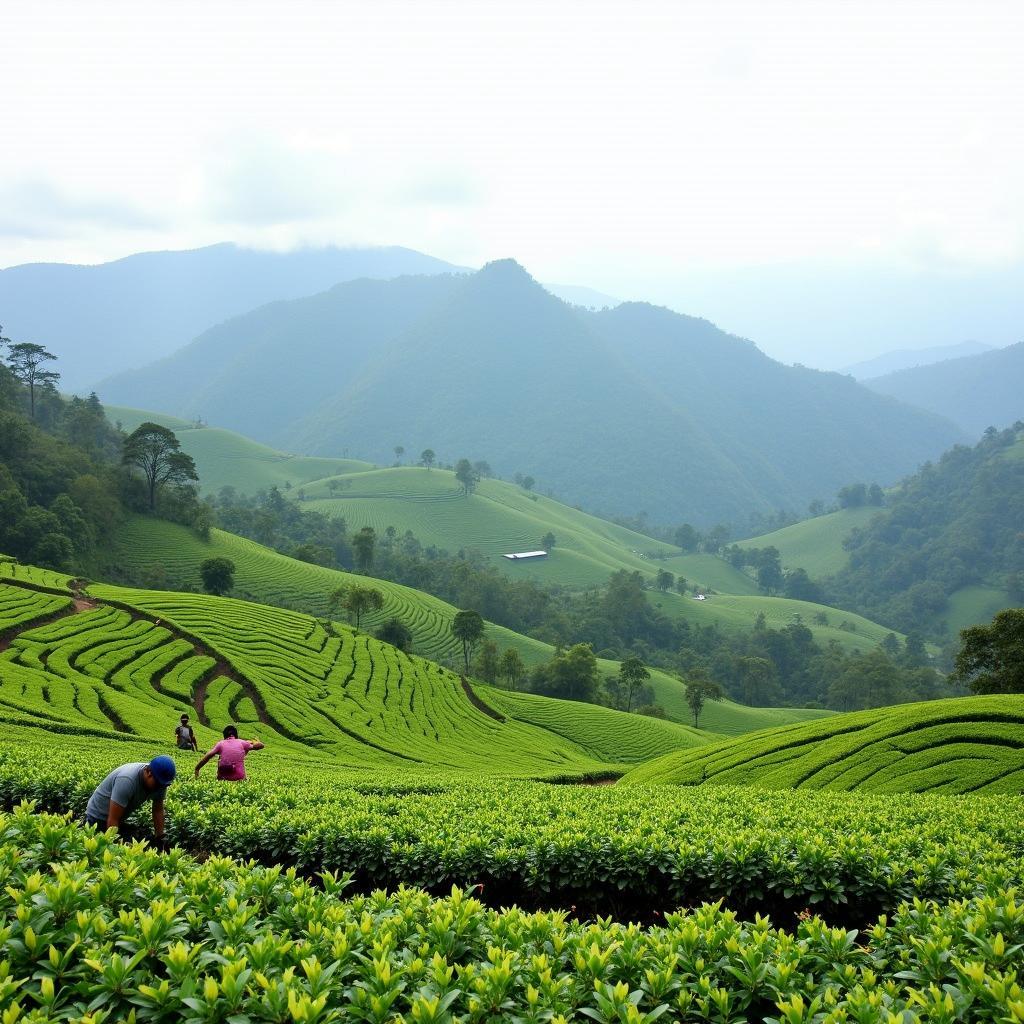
point(967, 745)
point(133, 660)
point(97, 934)
point(629, 851)
point(148, 545)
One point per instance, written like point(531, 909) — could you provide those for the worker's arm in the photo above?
point(254, 744)
point(203, 760)
point(114, 815)
point(195, 744)
point(158, 821)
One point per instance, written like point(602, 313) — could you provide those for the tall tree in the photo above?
point(487, 662)
point(364, 544)
point(467, 475)
point(26, 363)
point(698, 691)
point(991, 658)
point(427, 457)
point(632, 675)
point(468, 628)
point(218, 575)
point(511, 667)
point(357, 601)
point(664, 580)
point(396, 633)
point(399, 452)
point(157, 452)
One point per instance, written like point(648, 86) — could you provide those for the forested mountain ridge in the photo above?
point(956, 523)
point(106, 318)
point(626, 409)
point(976, 392)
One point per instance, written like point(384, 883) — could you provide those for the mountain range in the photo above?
point(630, 408)
point(906, 358)
point(975, 392)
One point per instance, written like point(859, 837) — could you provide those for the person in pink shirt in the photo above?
point(231, 752)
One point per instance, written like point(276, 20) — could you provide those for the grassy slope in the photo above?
point(497, 519)
point(972, 606)
point(122, 669)
point(501, 517)
point(224, 458)
point(265, 575)
point(815, 544)
point(973, 744)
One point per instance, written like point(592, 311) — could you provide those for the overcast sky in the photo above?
point(829, 178)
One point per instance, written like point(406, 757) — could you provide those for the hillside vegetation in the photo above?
point(224, 458)
point(120, 662)
point(953, 527)
point(491, 366)
point(150, 547)
point(501, 517)
point(964, 745)
point(816, 545)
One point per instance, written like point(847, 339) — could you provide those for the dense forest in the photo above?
point(957, 522)
point(65, 483)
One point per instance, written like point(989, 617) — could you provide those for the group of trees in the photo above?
point(955, 523)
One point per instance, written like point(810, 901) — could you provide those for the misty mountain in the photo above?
point(906, 358)
point(107, 318)
point(626, 409)
point(975, 392)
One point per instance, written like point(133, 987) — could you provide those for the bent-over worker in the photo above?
point(126, 789)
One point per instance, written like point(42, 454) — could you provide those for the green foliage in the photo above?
point(966, 745)
point(102, 932)
point(698, 692)
point(954, 524)
point(156, 451)
point(991, 658)
point(218, 575)
point(467, 628)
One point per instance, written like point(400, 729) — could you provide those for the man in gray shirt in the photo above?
point(126, 789)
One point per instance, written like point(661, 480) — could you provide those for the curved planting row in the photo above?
point(19, 606)
point(350, 696)
point(601, 849)
point(962, 745)
point(263, 575)
point(97, 933)
point(606, 734)
point(43, 579)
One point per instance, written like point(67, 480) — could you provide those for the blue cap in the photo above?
point(163, 769)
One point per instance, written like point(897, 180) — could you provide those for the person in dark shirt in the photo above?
point(185, 735)
point(126, 789)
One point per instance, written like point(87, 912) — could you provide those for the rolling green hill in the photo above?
point(146, 545)
point(118, 662)
point(815, 545)
point(226, 459)
point(497, 519)
point(500, 517)
point(963, 745)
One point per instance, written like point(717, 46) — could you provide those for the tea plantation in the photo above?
point(127, 661)
point(145, 544)
point(396, 811)
point(965, 745)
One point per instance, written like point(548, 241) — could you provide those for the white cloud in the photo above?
point(595, 141)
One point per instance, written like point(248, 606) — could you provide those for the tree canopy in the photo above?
point(991, 658)
point(156, 451)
